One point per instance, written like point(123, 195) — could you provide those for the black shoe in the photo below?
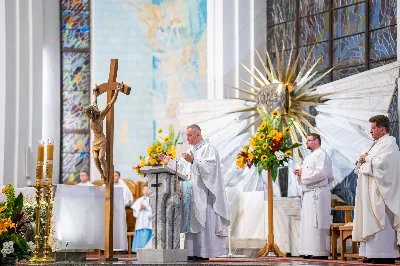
point(191, 258)
point(382, 261)
point(305, 256)
point(200, 258)
point(319, 257)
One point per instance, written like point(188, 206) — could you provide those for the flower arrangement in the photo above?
point(269, 147)
point(12, 223)
point(161, 145)
point(30, 227)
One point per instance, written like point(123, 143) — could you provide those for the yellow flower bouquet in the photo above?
point(161, 145)
point(269, 147)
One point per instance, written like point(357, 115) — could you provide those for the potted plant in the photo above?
point(13, 244)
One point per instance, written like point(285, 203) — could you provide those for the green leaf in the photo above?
point(293, 146)
point(19, 202)
point(274, 172)
point(260, 168)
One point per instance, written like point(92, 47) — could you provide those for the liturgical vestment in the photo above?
point(316, 204)
point(376, 221)
point(205, 214)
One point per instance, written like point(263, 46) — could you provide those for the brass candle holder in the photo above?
point(47, 185)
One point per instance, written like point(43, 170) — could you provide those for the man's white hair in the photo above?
point(194, 127)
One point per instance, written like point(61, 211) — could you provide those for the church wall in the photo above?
point(22, 89)
point(2, 83)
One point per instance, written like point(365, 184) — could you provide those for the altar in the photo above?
point(78, 216)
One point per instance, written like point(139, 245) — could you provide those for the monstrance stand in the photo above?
point(272, 97)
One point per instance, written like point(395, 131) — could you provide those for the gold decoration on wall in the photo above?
point(277, 86)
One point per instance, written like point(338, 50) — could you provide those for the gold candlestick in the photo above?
point(39, 174)
point(48, 186)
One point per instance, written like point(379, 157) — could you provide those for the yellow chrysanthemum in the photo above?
point(4, 190)
point(250, 156)
point(288, 153)
point(275, 113)
point(262, 126)
point(150, 149)
point(154, 155)
point(167, 139)
point(245, 148)
point(9, 223)
point(264, 157)
point(159, 130)
point(142, 163)
point(252, 142)
point(265, 145)
point(272, 133)
point(152, 161)
point(240, 162)
point(171, 152)
point(3, 208)
point(261, 136)
point(159, 149)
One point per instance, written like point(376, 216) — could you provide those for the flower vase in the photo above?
point(8, 260)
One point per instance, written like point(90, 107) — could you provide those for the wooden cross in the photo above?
point(110, 88)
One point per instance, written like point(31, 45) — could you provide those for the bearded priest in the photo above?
point(377, 205)
point(315, 176)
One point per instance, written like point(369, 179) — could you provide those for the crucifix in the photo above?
point(102, 146)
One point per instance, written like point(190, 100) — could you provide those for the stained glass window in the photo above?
point(75, 66)
point(342, 3)
point(314, 28)
point(346, 72)
point(285, 33)
point(279, 11)
point(319, 50)
point(382, 13)
point(349, 51)
point(311, 7)
point(349, 20)
point(383, 43)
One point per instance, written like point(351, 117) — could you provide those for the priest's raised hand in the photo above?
point(164, 158)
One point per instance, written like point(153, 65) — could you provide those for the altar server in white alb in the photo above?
point(315, 177)
point(376, 221)
point(143, 227)
point(206, 224)
point(85, 179)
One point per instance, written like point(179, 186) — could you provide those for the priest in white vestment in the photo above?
point(85, 179)
point(205, 214)
point(376, 221)
point(143, 227)
point(315, 177)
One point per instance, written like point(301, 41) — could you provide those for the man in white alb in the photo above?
point(206, 217)
point(376, 221)
point(315, 177)
point(118, 182)
point(85, 179)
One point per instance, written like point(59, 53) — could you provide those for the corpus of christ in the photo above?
point(248, 132)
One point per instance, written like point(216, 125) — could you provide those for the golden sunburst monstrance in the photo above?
point(281, 87)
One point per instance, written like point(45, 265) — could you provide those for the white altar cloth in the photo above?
point(78, 213)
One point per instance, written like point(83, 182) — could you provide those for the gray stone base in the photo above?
point(162, 255)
